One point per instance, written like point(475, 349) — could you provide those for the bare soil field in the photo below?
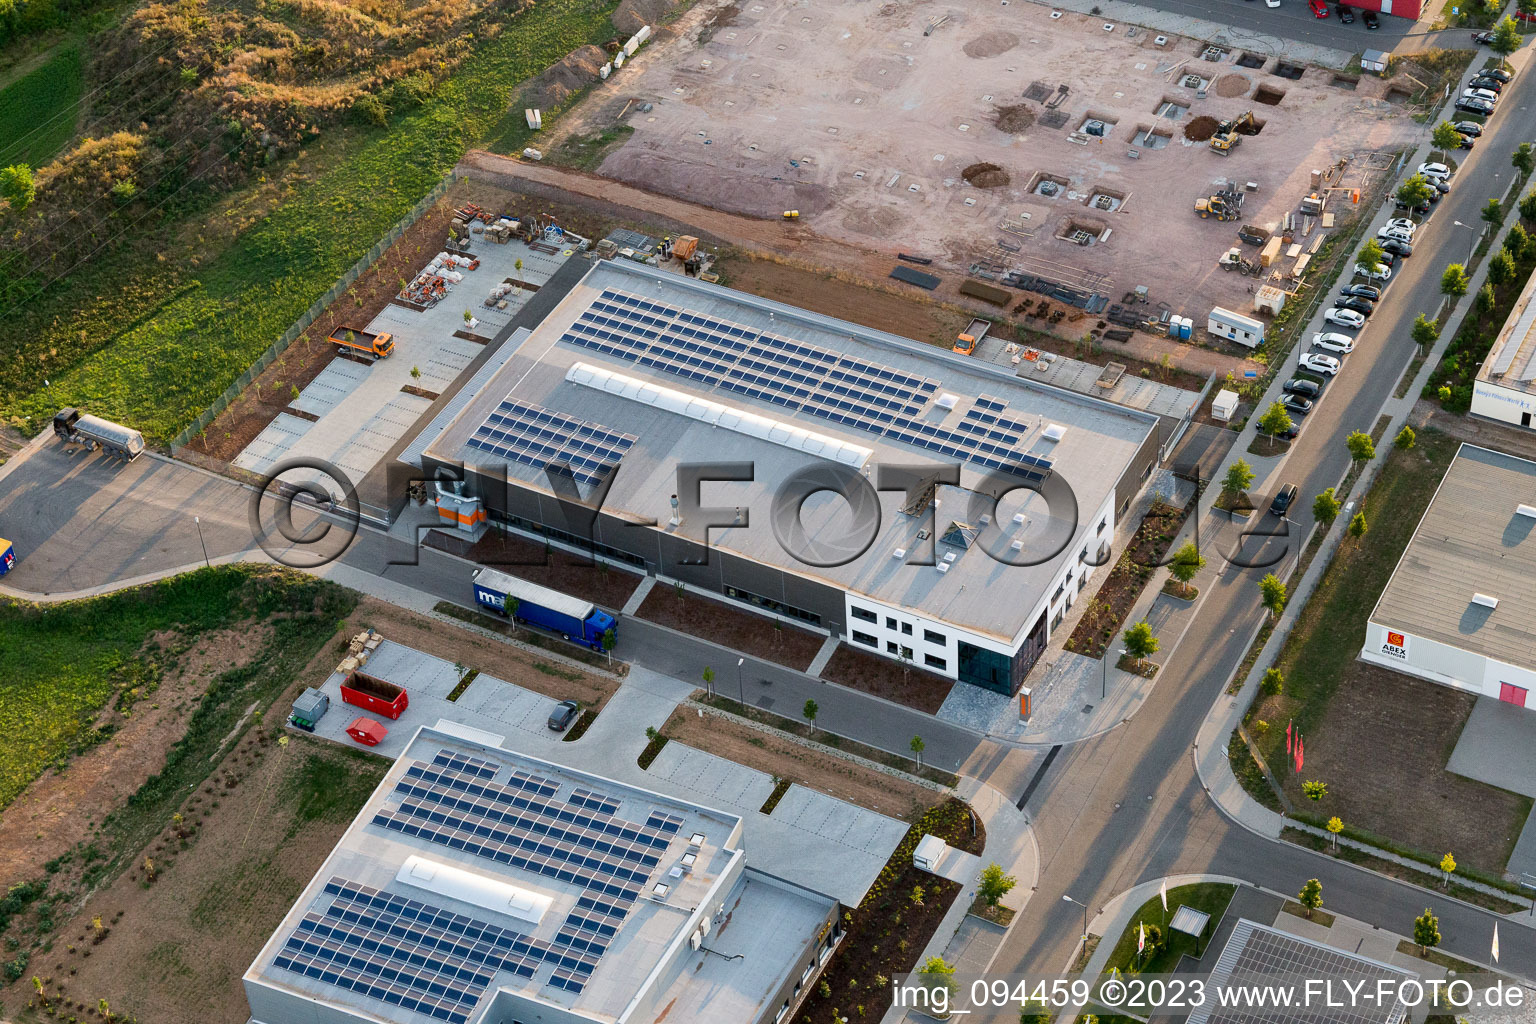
point(886, 678)
point(739, 630)
point(785, 759)
point(769, 112)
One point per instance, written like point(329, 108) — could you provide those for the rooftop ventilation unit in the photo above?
point(899, 554)
point(1055, 432)
point(1526, 510)
point(1485, 600)
point(695, 940)
point(942, 567)
point(946, 400)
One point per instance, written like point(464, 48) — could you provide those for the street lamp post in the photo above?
point(1069, 899)
point(198, 522)
point(1104, 676)
point(1473, 247)
point(741, 695)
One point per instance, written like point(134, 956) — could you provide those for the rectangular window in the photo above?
point(906, 652)
point(906, 627)
point(890, 623)
point(777, 607)
point(985, 668)
point(890, 647)
point(933, 662)
point(1102, 525)
point(935, 638)
point(865, 614)
point(865, 639)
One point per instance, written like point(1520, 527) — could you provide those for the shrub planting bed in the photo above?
point(1107, 612)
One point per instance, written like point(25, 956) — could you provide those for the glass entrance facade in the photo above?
point(984, 668)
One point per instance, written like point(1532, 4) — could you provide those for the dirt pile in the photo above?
point(1014, 119)
point(1200, 128)
point(991, 44)
point(985, 175)
point(1231, 85)
point(573, 73)
point(630, 15)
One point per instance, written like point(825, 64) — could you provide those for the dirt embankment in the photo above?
point(573, 73)
point(1200, 128)
point(631, 15)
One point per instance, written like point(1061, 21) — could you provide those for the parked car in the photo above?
point(1364, 307)
point(1422, 208)
point(1397, 233)
point(1471, 128)
point(1296, 405)
point(1493, 85)
point(1471, 106)
point(1467, 142)
point(563, 715)
point(1290, 432)
point(1435, 170)
point(1487, 96)
point(1319, 8)
point(1340, 344)
point(1380, 272)
point(1284, 498)
point(1497, 73)
point(1388, 258)
point(1303, 387)
point(1441, 187)
point(1397, 247)
point(1371, 21)
point(1363, 291)
point(1271, 3)
point(1346, 15)
point(1402, 224)
point(1345, 318)
point(1482, 38)
point(1328, 366)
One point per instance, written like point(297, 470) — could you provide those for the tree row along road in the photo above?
point(1128, 807)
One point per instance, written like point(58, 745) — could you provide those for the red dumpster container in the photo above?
point(373, 693)
point(367, 732)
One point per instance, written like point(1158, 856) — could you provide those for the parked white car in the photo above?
point(1435, 171)
point(1486, 95)
point(1340, 343)
point(1319, 363)
point(1381, 272)
point(1401, 224)
point(1345, 318)
point(1396, 233)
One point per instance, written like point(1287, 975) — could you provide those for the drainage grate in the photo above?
point(1052, 119)
point(1087, 708)
point(1038, 91)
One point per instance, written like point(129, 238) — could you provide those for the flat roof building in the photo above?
point(482, 885)
point(837, 515)
point(1505, 388)
point(1460, 608)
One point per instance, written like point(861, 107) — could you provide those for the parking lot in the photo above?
point(1014, 137)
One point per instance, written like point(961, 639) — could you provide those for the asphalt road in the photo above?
point(1293, 19)
point(1129, 807)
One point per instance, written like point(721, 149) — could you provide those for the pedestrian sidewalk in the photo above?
point(971, 944)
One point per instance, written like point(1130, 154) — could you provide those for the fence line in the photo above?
point(310, 315)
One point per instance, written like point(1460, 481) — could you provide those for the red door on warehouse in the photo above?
point(1509, 693)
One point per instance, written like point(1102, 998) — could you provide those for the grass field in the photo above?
point(153, 341)
point(64, 663)
point(39, 109)
point(1211, 897)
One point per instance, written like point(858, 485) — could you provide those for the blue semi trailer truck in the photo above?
point(574, 619)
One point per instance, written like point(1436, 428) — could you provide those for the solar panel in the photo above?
point(531, 435)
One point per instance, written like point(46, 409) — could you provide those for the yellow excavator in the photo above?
point(1228, 133)
point(1215, 206)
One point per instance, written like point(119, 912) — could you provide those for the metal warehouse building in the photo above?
point(646, 371)
point(480, 886)
point(1460, 608)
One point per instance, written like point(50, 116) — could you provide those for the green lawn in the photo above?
point(155, 345)
point(1211, 897)
point(65, 663)
point(38, 110)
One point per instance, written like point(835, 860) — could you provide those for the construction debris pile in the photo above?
point(437, 278)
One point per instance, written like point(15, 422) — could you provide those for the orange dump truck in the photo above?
point(358, 342)
point(966, 342)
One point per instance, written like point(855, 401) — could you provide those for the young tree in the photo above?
point(1311, 896)
point(1272, 591)
point(917, 746)
point(1455, 280)
point(1335, 826)
point(1415, 192)
point(1426, 931)
point(1506, 38)
point(709, 680)
point(1405, 438)
point(1524, 158)
point(1357, 526)
point(1370, 253)
point(938, 978)
point(1425, 331)
point(1273, 683)
point(1187, 563)
point(1483, 304)
point(1325, 508)
point(1238, 477)
point(1315, 790)
point(1493, 212)
point(1517, 242)
point(1140, 642)
point(1361, 447)
point(1501, 269)
point(18, 186)
point(1528, 206)
point(1275, 421)
point(1445, 137)
point(994, 885)
point(1447, 868)
point(809, 713)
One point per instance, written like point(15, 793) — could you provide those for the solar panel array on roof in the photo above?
point(844, 389)
point(533, 436)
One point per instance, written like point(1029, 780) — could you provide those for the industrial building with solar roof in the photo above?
point(479, 884)
point(1460, 608)
point(635, 372)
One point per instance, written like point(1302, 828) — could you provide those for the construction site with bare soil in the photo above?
point(1126, 176)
